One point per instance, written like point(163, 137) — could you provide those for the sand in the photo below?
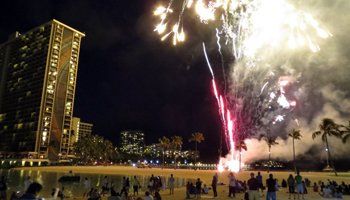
point(204, 175)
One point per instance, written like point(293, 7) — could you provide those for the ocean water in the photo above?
point(15, 181)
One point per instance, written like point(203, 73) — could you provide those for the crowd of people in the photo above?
point(252, 189)
point(107, 189)
point(129, 191)
point(331, 189)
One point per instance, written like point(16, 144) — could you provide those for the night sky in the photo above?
point(127, 78)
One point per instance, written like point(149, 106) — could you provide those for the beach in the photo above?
point(204, 175)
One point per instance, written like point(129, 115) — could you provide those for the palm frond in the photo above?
point(315, 134)
point(346, 137)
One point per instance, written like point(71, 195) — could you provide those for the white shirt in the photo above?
point(87, 184)
point(149, 197)
point(232, 181)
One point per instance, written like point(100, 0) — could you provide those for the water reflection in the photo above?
point(49, 180)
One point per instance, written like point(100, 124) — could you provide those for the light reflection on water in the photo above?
point(49, 180)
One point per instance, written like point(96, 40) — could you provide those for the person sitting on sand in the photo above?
point(205, 189)
point(148, 196)
point(32, 192)
point(327, 192)
point(338, 193)
point(95, 195)
point(315, 187)
point(114, 195)
point(157, 195)
point(14, 196)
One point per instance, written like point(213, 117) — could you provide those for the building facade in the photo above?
point(79, 130)
point(38, 72)
point(132, 142)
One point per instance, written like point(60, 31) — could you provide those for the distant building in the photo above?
point(132, 142)
point(154, 150)
point(79, 130)
point(38, 73)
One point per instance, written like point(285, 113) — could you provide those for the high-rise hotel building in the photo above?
point(38, 73)
point(79, 130)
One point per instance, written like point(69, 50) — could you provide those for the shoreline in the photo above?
point(204, 175)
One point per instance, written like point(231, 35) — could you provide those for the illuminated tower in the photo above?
point(38, 72)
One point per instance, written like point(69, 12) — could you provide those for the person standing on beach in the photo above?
point(171, 184)
point(260, 181)
point(188, 190)
point(214, 184)
point(253, 186)
point(136, 185)
point(300, 186)
point(231, 185)
point(198, 188)
point(105, 187)
point(127, 184)
point(87, 186)
point(291, 186)
point(151, 183)
point(271, 188)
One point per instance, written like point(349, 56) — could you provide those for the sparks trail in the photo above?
point(260, 90)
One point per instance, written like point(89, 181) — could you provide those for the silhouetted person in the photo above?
point(114, 195)
point(198, 188)
point(253, 185)
point(32, 191)
point(3, 188)
point(214, 184)
point(291, 186)
point(136, 186)
point(171, 183)
point(271, 188)
point(14, 196)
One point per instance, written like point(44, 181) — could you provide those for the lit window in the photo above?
point(20, 126)
point(2, 117)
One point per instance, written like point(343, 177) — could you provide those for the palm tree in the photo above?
point(295, 135)
point(196, 137)
point(93, 147)
point(270, 141)
point(165, 143)
point(176, 142)
point(241, 145)
point(327, 129)
point(346, 137)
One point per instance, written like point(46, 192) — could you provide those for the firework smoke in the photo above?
point(271, 82)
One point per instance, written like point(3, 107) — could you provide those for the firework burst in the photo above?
point(258, 96)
